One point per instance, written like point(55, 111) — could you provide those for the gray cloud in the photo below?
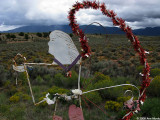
point(137, 13)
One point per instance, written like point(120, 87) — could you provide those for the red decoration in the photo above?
point(75, 113)
point(55, 117)
point(86, 52)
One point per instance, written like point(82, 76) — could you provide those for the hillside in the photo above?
point(92, 29)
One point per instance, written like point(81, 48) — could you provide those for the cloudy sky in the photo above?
point(16, 13)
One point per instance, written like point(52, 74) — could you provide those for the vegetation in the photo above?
point(21, 34)
point(113, 62)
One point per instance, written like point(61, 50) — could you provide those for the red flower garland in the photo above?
point(86, 52)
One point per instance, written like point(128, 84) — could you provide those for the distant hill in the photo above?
point(90, 29)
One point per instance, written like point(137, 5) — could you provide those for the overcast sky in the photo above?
point(16, 13)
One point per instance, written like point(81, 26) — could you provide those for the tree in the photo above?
point(13, 36)
point(39, 34)
point(8, 36)
point(21, 34)
point(71, 35)
point(26, 36)
point(45, 34)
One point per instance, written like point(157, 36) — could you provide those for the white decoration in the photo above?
point(136, 111)
point(141, 102)
point(48, 100)
point(77, 92)
point(146, 52)
point(62, 47)
point(19, 68)
point(68, 98)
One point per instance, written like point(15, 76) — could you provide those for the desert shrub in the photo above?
point(55, 89)
point(39, 34)
point(62, 81)
point(14, 98)
point(22, 78)
point(25, 97)
point(26, 36)
point(128, 87)
point(123, 99)
point(21, 34)
point(106, 67)
point(48, 79)
point(156, 65)
point(99, 76)
point(45, 34)
point(19, 96)
point(155, 72)
point(39, 80)
point(4, 108)
point(101, 84)
point(140, 68)
point(104, 81)
point(94, 97)
point(154, 87)
point(112, 106)
point(17, 112)
point(13, 36)
point(8, 36)
point(154, 54)
point(3, 74)
point(38, 70)
point(38, 60)
point(151, 108)
point(43, 104)
point(73, 80)
point(71, 35)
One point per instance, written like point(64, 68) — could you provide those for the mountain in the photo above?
point(148, 31)
point(88, 29)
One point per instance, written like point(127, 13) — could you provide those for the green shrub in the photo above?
point(26, 36)
point(48, 79)
point(101, 81)
point(26, 97)
point(140, 68)
point(8, 36)
point(151, 108)
point(107, 93)
point(154, 88)
point(128, 87)
point(155, 72)
point(53, 90)
point(14, 98)
point(56, 89)
point(39, 34)
point(112, 106)
point(22, 77)
point(45, 34)
point(21, 34)
point(38, 60)
point(13, 36)
point(62, 81)
point(99, 77)
point(3, 74)
point(39, 80)
point(19, 96)
point(94, 97)
point(123, 99)
point(43, 104)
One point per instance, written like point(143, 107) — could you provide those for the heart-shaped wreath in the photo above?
point(86, 52)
